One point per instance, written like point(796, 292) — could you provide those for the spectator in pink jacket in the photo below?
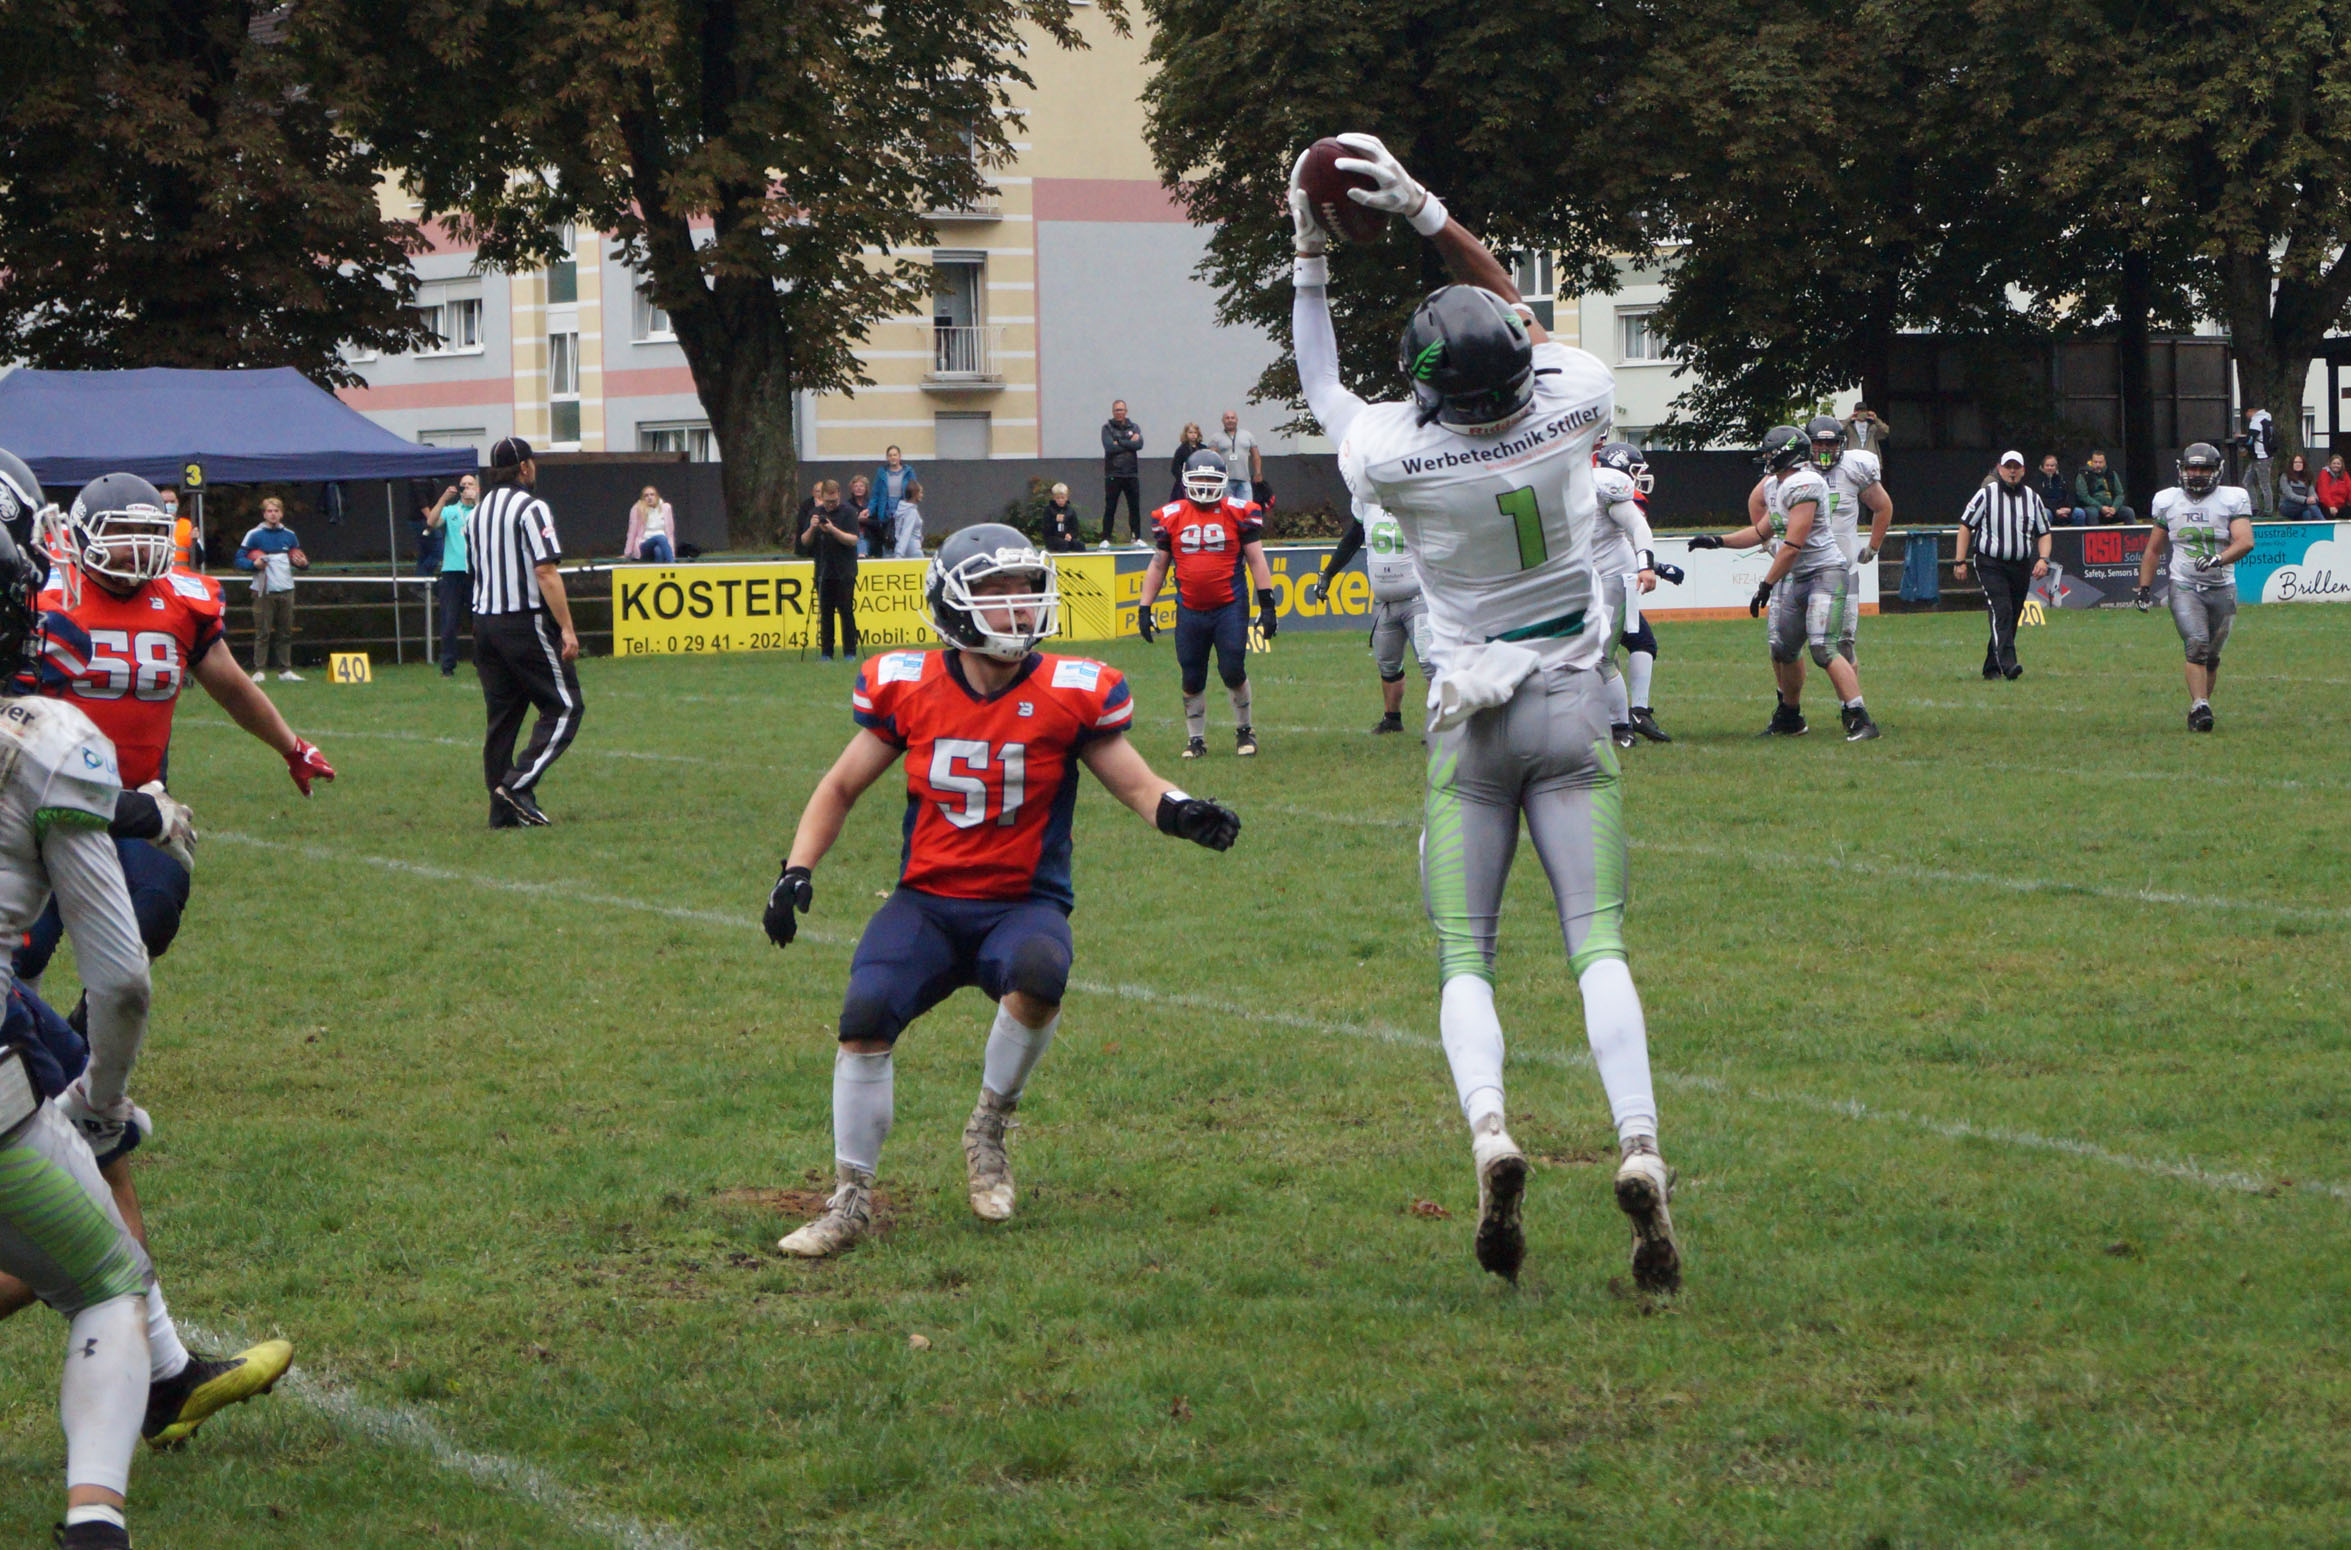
point(652, 530)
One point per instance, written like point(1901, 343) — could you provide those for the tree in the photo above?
point(1517, 150)
point(755, 160)
point(175, 192)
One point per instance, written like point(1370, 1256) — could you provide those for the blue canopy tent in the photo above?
point(239, 427)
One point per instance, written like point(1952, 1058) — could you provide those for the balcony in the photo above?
point(964, 356)
point(988, 206)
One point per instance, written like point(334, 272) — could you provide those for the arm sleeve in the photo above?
point(96, 906)
point(1317, 348)
point(538, 525)
point(1629, 516)
point(136, 817)
point(1974, 514)
point(628, 545)
point(1350, 545)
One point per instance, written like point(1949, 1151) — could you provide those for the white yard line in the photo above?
point(1845, 1108)
point(396, 1426)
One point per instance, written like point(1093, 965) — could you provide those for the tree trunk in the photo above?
point(2141, 464)
point(738, 346)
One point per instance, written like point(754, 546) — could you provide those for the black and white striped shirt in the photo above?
point(510, 532)
point(2005, 520)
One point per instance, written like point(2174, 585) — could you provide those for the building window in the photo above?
point(692, 437)
point(563, 276)
point(652, 324)
point(959, 342)
point(1637, 334)
point(1532, 274)
point(470, 436)
point(563, 388)
point(2310, 427)
point(456, 321)
point(960, 436)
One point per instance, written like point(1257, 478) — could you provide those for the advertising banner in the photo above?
point(1719, 582)
point(2291, 562)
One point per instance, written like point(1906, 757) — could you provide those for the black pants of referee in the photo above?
point(2007, 583)
point(520, 660)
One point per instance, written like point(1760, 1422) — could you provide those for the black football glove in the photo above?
point(1672, 573)
point(1316, 589)
point(2145, 598)
point(1201, 820)
point(1762, 596)
point(1146, 626)
point(792, 893)
point(1265, 612)
point(1706, 541)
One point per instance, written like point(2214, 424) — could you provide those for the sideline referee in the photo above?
point(523, 642)
point(2008, 527)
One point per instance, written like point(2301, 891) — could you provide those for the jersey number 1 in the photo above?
point(1526, 515)
point(951, 756)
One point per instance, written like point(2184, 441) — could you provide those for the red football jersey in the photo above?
point(122, 660)
point(1206, 543)
point(991, 780)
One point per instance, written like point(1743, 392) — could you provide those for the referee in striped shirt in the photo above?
point(523, 642)
point(2007, 528)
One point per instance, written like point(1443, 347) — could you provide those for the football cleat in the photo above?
point(177, 1405)
point(848, 1216)
point(523, 806)
point(1502, 1184)
point(1196, 748)
point(1244, 742)
point(983, 1156)
point(91, 1536)
point(1786, 721)
point(2200, 719)
point(1393, 721)
point(1645, 723)
point(1858, 727)
point(1621, 733)
point(2012, 674)
point(1991, 669)
point(1644, 1186)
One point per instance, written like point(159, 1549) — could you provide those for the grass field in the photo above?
point(2003, 1061)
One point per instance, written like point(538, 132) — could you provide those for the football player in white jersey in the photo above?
point(1624, 554)
point(2208, 527)
point(1398, 619)
point(1806, 585)
point(1487, 468)
point(1856, 482)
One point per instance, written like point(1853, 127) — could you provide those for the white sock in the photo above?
point(2198, 702)
point(1014, 1048)
point(1195, 715)
point(1239, 695)
point(165, 1355)
point(103, 1397)
point(1619, 703)
point(1639, 669)
point(862, 1108)
point(1472, 1036)
point(1620, 1046)
point(94, 1513)
point(1853, 703)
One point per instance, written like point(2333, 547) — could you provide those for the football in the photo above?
point(1326, 193)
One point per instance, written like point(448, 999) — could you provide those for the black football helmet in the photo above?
point(1827, 434)
point(2199, 469)
point(1469, 358)
point(20, 498)
point(1005, 625)
point(1783, 448)
point(1204, 478)
point(120, 531)
point(1628, 460)
point(22, 575)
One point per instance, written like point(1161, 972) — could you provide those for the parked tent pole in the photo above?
point(392, 538)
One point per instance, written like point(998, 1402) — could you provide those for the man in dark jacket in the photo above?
point(1122, 440)
point(2097, 494)
point(830, 538)
point(2055, 493)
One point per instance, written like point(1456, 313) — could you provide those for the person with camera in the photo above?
point(1865, 431)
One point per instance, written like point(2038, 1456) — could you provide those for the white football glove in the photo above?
point(1309, 239)
point(1868, 553)
point(178, 839)
point(1394, 189)
point(109, 1132)
point(2211, 562)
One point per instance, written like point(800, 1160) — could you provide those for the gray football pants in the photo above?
point(60, 1233)
point(2204, 619)
point(1394, 627)
point(1546, 754)
point(1809, 609)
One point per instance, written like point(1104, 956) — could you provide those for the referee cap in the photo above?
point(513, 452)
point(2006, 458)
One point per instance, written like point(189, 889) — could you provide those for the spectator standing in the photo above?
point(653, 530)
point(2098, 493)
point(524, 647)
point(452, 588)
point(2297, 492)
point(906, 541)
point(1062, 532)
point(2007, 527)
point(2055, 493)
point(831, 539)
point(1122, 446)
point(273, 554)
point(873, 529)
point(1865, 432)
point(2260, 442)
point(1244, 467)
point(887, 486)
point(2333, 489)
point(1190, 442)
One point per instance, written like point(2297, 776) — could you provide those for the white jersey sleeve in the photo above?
point(1783, 496)
point(1317, 348)
point(1623, 533)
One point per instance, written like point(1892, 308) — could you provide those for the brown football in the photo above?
point(1326, 193)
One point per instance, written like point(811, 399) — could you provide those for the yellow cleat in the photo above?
point(179, 1404)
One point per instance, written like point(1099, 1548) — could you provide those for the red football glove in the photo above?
point(307, 764)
